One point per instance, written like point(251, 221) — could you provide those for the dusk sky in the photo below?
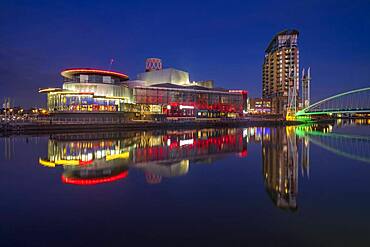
point(219, 40)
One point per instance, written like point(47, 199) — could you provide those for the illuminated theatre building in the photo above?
point(156, 94)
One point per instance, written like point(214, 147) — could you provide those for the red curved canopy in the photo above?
point(70, 72)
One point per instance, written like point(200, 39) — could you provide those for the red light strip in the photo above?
point(243, 153)
point(81, 70)
point(94, 181)
point(84, 163)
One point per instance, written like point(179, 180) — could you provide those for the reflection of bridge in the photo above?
point(355, 101)
point(350, 146)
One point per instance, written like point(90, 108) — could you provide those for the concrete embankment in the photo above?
point(42, 128)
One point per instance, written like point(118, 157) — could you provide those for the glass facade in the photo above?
point(100, 89)
point(171, 102)
point(92, 78)
point(85, 103)
point(188, 102)
point(90, 91)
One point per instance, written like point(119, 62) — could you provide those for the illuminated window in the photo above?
point(84, 78)
point(107, 79)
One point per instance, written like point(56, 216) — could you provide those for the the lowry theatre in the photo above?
point(156, 93)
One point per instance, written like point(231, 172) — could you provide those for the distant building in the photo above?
point(259, 106)
point(281, 70)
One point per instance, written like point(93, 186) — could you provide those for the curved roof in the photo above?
point(284, 32)
point(70, 72)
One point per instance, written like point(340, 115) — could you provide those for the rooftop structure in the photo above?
point(153, 64)
point(169, 75)
point(284, 38)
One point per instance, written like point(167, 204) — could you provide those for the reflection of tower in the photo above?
point(152, 178)
point(280, 167)
point(153, 64)
point(305, 160)
point(8, 148)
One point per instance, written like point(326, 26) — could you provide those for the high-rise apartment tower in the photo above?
point(280, 79)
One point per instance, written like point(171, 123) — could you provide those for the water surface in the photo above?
point(293, 186)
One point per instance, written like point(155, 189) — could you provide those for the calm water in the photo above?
point(294, 186)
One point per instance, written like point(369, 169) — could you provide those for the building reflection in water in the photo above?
point(281, 158)
point(280, 166)
point(89, 159)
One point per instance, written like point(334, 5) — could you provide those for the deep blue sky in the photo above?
point(219, 40)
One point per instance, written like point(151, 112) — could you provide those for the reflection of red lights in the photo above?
point(86, 93)
point(174, 150)
point(243, 153)
point(94, 181)
point(153, 178)
point(174, 144)
point(84, 163)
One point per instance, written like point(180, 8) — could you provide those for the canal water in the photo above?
point(287, 186)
